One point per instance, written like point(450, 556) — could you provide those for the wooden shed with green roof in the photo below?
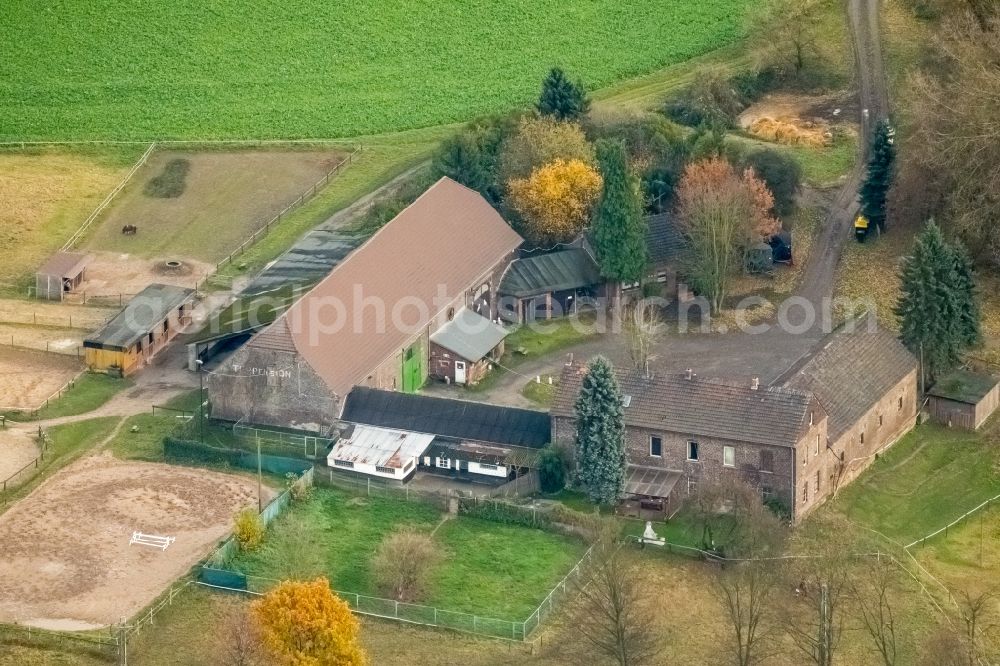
point(963, 399)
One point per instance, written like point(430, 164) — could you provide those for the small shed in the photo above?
point(61, 274)
point(548, 285)
point(462, 350)
point(150, 320)
point(963, 399)
point(382, 452)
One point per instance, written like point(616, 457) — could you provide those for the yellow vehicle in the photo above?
point(860, 228)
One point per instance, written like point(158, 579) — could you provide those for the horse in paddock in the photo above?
point(129, 230)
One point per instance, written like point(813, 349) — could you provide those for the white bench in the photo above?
point(152, 540)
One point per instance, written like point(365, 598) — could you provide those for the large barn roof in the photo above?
point(849, 371)
point(701, 407)
point(439, 245)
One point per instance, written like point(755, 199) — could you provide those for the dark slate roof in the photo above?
point(849, 371)
point(65, 264)
point(571, 268)
point(146, 310)
point(774, 416)
point(460, 419)
point(664, 240)
point(963, 386)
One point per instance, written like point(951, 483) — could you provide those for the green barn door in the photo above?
point(413, 369)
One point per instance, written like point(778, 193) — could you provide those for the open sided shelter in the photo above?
point(150, 320)
point(369, 322)
point(547, 285)
point(61, 274)
point(963, 399)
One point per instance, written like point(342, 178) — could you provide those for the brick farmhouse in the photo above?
point(798, 440)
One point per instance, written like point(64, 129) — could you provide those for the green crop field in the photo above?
point(246, 68)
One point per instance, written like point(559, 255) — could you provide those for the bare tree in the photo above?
point(403, 562)
point(786, 33)
point(815, 623)
point(978, 622)
point(873, 591)
point(643, 329)
point(745, 589)
point(241, 645)
point(614, 615)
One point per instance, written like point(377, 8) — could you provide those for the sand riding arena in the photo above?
point(65, 558)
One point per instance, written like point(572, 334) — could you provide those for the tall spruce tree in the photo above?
point(966, 297)
point(620, 225)
point(928, 306)
point(600, 434)
point(879, 176)
point(561, 98)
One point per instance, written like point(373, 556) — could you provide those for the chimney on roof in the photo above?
point(689, 374)
point(755, 384)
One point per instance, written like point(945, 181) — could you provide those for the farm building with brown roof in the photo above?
point(798, 440)
point(370, 321)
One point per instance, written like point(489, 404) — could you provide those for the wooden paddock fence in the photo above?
point(264, 229)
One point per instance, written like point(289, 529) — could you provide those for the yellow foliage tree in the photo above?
point(302, 623)
point(556, 200)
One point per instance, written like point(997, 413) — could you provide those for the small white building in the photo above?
point(382, 452)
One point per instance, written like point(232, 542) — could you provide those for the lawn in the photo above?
point(47, 193)
point(88, 393)
point(317, 69)
point(66, 443)
point(489, 569)
point(929, 478)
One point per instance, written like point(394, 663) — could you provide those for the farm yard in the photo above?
point(358, 68)
point(65, 559)
point(199, 206)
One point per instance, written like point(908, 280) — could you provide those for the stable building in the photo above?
point(60, 275)
point(469, 441)
point(370, 321)
point(147, 324)
point(382, 452)
point(548, 285)
point(963, 399)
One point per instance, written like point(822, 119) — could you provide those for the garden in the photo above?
point(476, 566)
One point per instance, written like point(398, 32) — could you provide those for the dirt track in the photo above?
point(818, 279)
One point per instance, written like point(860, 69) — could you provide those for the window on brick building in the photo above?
point(862, 436)
point(817, 482)
point(816, 452)
point(729, 456)
point(692, 486)
point(692, 450)
point(900, 403)
point(879, 420)
point(655, 446)
point(767, 461)
point(805, 492)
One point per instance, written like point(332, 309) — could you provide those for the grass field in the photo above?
point(88, 393)
point(46, 195)
point(221, 198)
point(315, 69)
point(929, 478)
point(488, 569)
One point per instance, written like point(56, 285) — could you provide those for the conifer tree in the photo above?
point(620, 225)
point(928, 306)
point(966, 297)
point(879, 176)
point(600, 434)
point(561, 98)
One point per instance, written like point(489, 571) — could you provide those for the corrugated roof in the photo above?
point(146, 309)
point(460, 419)
point(572, 268)
point(664, 241)
point(700, 407)
point(438, 246)
point(469, 335)
point(963, 386)
point(65, 264)
point(650, 481)
point(849, 371)
point(383, 447)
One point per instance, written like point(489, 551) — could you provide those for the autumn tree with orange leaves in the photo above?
point(723, 213)
point(305, 624)
point(555, 201)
